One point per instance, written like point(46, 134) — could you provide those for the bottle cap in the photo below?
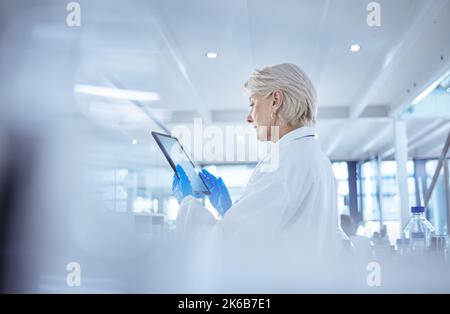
point(417, 209)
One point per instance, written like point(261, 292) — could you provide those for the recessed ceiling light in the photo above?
point(355, 48)
point(212, 55)
point(134, 141)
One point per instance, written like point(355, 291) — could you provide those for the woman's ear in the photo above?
point(277, 101)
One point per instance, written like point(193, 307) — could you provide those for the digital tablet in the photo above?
point(176, 155)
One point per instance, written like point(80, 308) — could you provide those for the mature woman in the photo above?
point(293, 205)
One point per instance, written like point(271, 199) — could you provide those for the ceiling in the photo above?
point(161, 46)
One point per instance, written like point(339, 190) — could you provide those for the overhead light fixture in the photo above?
point(212, 55)
point(355, 48)
point(426, 92)
point(134, 141)
point(112, 92)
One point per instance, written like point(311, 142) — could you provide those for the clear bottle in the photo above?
point(402, 247)
point(399, 247)
point(439, 247)
point(418, 230)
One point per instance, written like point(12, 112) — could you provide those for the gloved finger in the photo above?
point(207, 174)
point(222, 185)
point(207, 181)
point(181, 173)
point(225, 199)
point(211, 178)
point(223, 189)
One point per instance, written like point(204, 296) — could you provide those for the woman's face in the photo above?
point(260, 115)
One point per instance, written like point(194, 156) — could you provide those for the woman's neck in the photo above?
point(283, 130)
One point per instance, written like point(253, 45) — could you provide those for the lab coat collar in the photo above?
point(297, 134)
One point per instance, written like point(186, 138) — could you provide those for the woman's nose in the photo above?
point(249, 118)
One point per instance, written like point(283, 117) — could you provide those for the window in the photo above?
point(110, 188)
point(437, 206)
point(341, 173)
point(381, 201)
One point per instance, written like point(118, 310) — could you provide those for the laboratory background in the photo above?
point(85, 190)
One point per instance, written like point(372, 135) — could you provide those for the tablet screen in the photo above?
point(176, 155)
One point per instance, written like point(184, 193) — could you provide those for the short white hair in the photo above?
point(299, 104)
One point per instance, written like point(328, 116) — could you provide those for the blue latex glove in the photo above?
point(219, 197)
point(181, 187)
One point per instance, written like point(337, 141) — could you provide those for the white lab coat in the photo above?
point(290, 212)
